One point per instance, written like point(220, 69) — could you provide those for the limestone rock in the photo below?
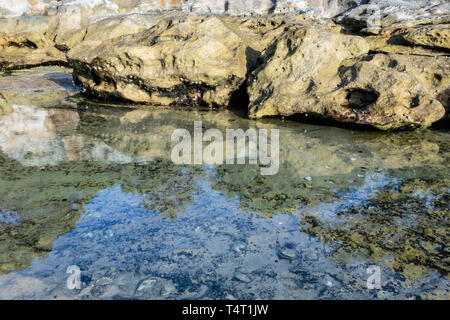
point(393, 42)
point(121, 49)
point(116, 26)
point(180, 61)
point(437, 36)
point(27, 50)
point(328, 75)
point(83, 7)
point(14, 8)
point(73, 17)
point(142, 6)
point(236, 7)
point(28, 41)
point(99, 29)
point(10, 8)
point(432, 73)
point(375, 14)
point(35, 40)
point(302, 60)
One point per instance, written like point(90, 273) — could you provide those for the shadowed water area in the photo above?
point(92, 185)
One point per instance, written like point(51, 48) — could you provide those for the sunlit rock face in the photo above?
point(141, 6)
point(358, 11)
point(204, 68)
point(85, 7)
point(342, 82)
point(14, 7)
point(382, 13)
point(120, 51)
point(290, 67)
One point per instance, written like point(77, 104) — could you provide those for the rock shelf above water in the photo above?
point(320, 58)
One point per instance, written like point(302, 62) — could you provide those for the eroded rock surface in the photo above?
point(331, 75)
point(378, 63)
point(430, 36)
point(179, 61)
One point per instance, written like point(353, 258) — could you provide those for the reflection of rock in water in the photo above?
point(40, 204)
point(334, 159)
point(82, 152)
point(364, 195)
point(338, 164)
point(35, 136)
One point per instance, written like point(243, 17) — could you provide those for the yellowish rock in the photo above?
point(330, 75)
point(179, 61)
point(436, 36)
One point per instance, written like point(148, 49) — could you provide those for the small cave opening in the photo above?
point(437, 77)
point(96, 78)
point(414, 102)
point(361, 98)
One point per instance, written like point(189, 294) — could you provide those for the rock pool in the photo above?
point(90, 184)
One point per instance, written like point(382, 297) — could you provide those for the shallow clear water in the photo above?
point(93, 185)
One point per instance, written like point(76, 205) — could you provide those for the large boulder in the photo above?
point(330, 75)
point(28, 41)
point(433, 74)
point(179, 61)
point(123, 50)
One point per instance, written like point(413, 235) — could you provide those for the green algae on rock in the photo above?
point(61, 191)
point(404, 223)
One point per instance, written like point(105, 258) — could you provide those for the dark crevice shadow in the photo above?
point(316, 120)
point(63, 80)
